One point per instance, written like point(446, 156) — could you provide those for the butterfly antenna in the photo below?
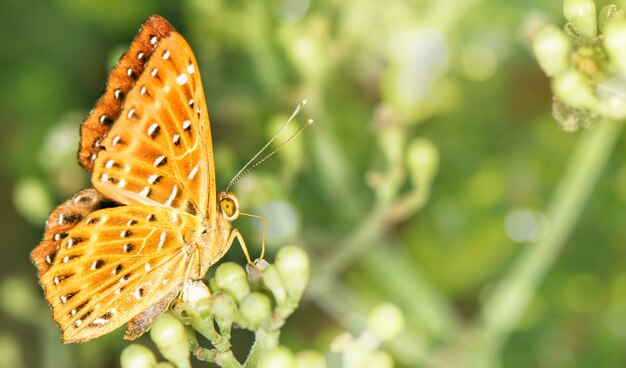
point(246, 168)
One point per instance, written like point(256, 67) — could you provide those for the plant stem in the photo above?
point(263, 340)
point(510, 298)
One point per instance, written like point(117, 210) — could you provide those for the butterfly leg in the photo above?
point(187, 276)
point(264, 232)
point(236, 234)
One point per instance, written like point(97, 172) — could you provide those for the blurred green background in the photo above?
point(389, 84)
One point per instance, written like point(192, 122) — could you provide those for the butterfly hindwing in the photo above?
point(126, 259)
point(61, 220)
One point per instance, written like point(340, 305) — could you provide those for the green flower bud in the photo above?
point(573, 88)
point(272, 281)
point(582, 15)
point(223, 306)
point(137, 356)
point(279, 357)
point(615, 43)
point(612, 96)
point(255, 277)
point(422, 160)
point(386, 321)
point(169, 335)
point(310, 359)
point(292, 264)
point(164, 365)
point(552, 49)
point(609, 13)
point(231, 277)
point(254, 310)
point(379, 359)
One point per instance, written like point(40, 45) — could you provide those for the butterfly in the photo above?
point(120, 252)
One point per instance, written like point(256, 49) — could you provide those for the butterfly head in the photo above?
point(229, 205)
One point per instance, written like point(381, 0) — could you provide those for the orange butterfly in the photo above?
point(122, 251)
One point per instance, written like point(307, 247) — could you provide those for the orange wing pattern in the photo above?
point(121, 252)
point(116, 263)
point(61, 220)
point(158, 152)
point(121, 79)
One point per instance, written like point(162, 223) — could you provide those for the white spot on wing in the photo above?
point(154, 72)
point(182, 79)
point(147, 267)
point(186, 124)
point(122, 183)
point(166, 54)
point(161, 240)
point(159, 160)
point(116, 140)
point(191, 69)
point(100, 321)
point(152, 128)
point(153, 178)
point(176, 138)
point(171, 197)
point(193, 172)
point(109, 164)
point(145, 192)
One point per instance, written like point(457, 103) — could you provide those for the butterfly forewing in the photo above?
point(116, 263)
point(121, 79)
point(158, 152)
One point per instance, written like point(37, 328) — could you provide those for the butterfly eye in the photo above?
point(229, 207)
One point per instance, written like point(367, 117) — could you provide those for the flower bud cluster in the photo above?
point(259, 299)
point(587, 63)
